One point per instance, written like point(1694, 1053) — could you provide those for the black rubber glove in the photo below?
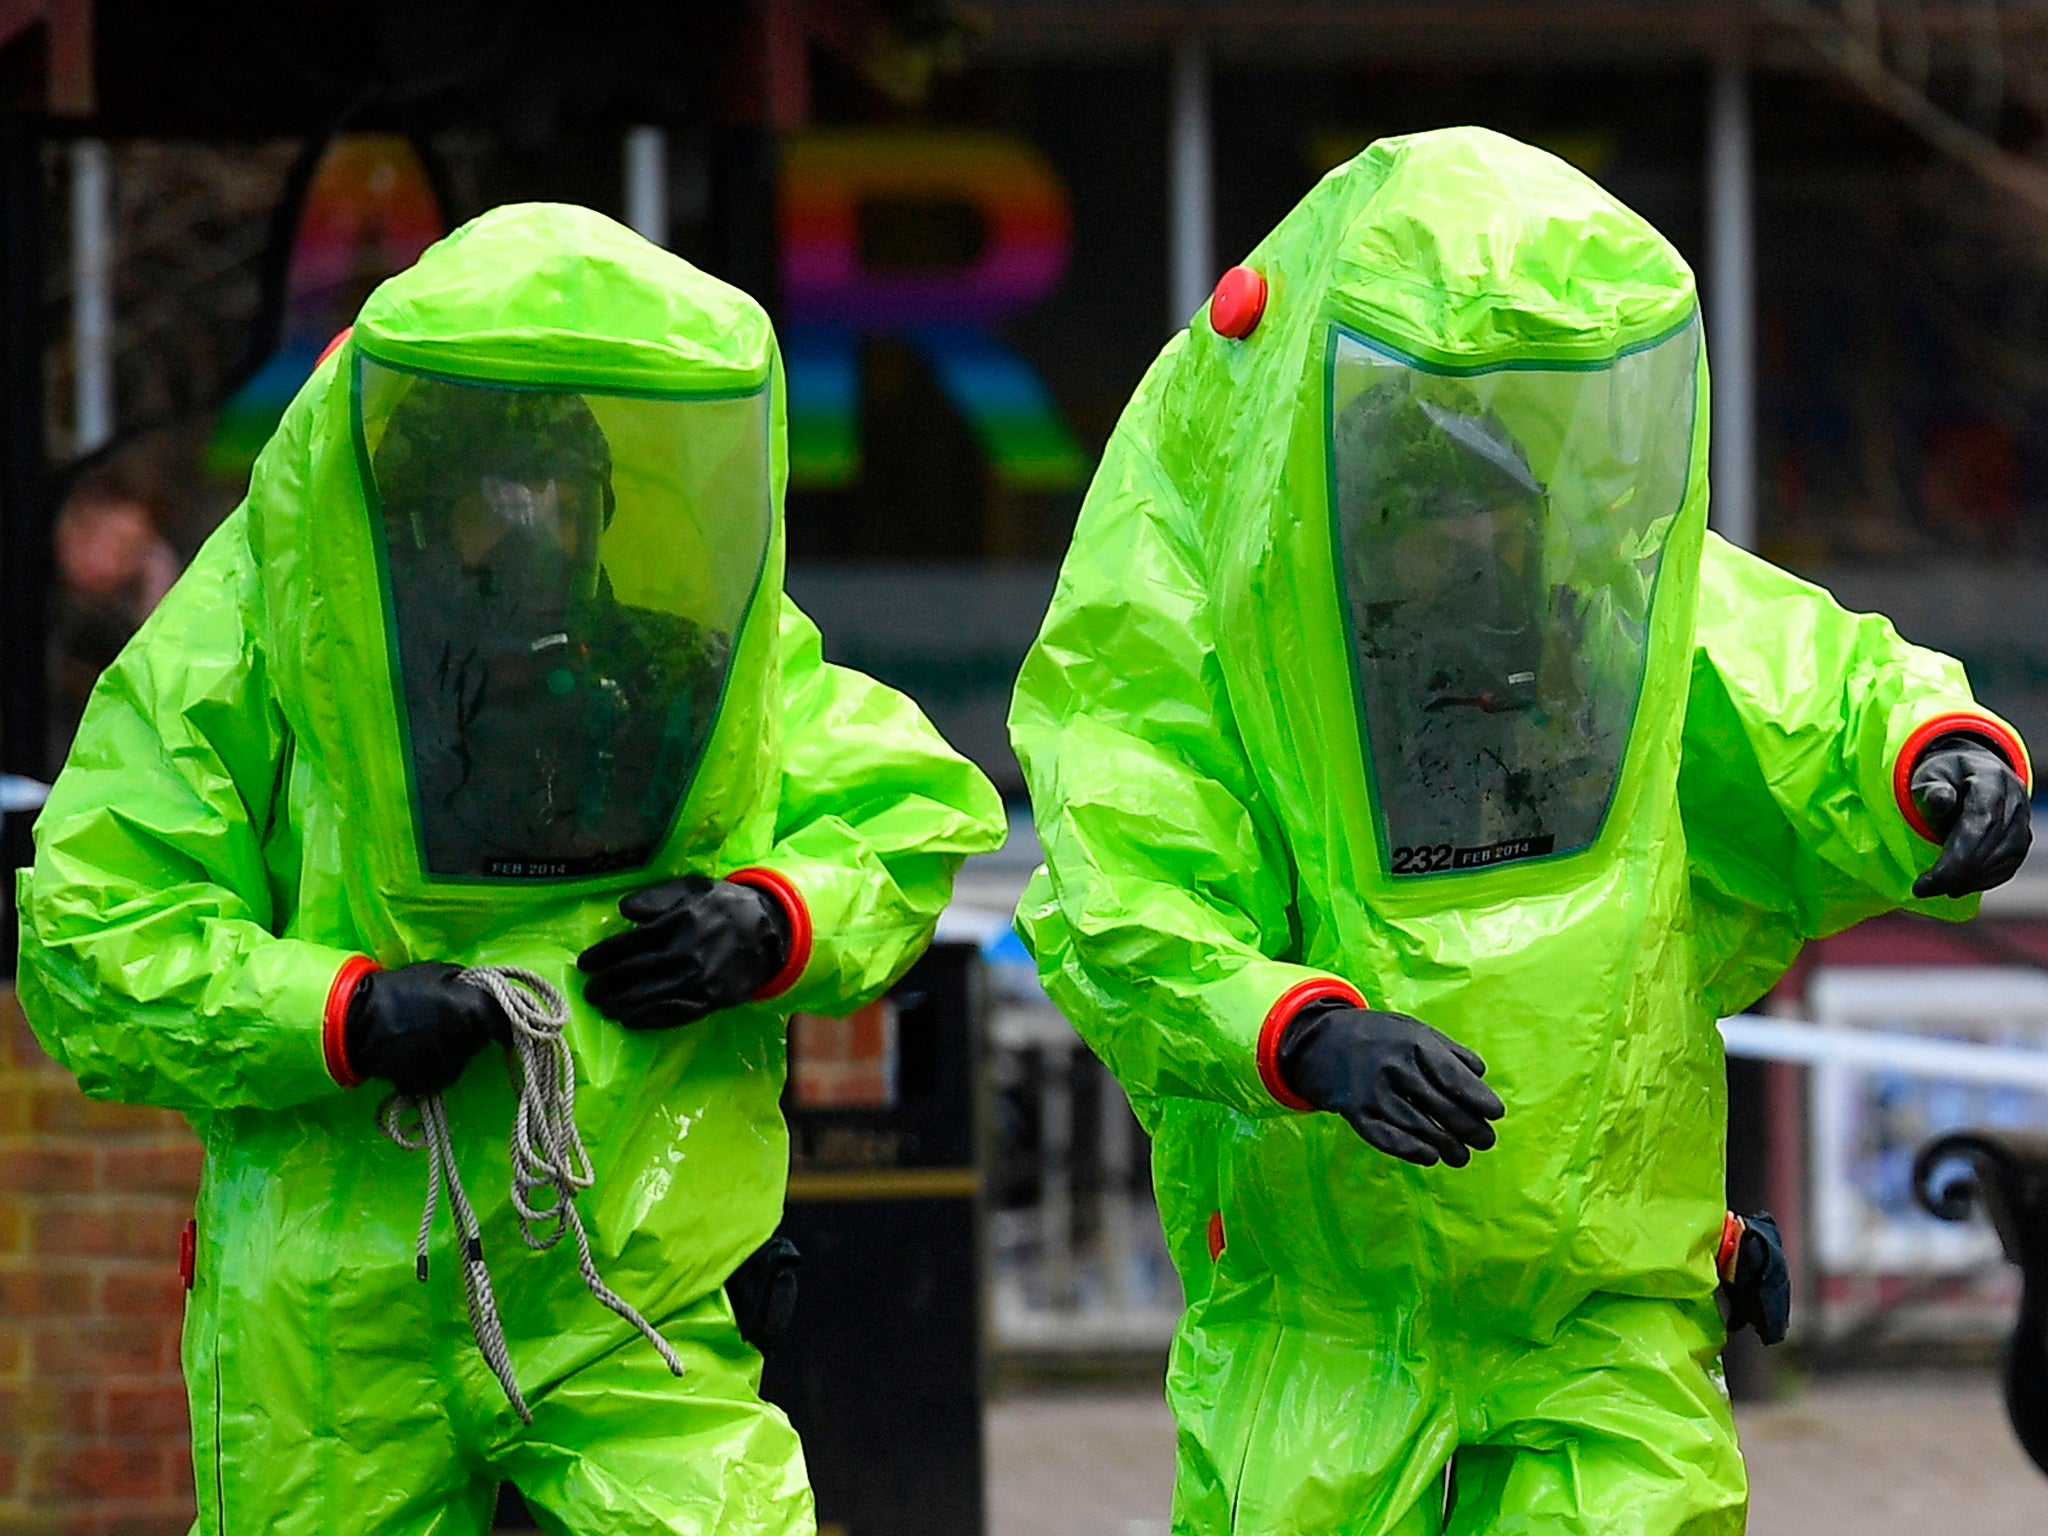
point(417, 1026)
point(1408, 1090)
point(1759, 1293)
point(1977, 804)
point(697, 946)
point(763, 1293)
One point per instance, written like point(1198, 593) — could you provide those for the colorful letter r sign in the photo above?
point(834, 292)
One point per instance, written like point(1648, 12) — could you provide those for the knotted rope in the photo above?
point(547, 1157)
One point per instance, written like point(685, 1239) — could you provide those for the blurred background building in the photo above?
point(976, 224)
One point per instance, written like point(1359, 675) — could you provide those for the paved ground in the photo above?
point(1080, 1464)
point(1866, 1456)
point(1932, 1456)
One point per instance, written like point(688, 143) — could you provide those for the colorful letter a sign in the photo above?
point(369, 209)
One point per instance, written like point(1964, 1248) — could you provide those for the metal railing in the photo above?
point(1893, 1056)
point(1076, 1260)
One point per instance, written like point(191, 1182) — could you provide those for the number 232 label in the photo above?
point(1434, 858)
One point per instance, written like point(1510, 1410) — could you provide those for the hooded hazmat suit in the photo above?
point(1393, 661)
point(408, 711)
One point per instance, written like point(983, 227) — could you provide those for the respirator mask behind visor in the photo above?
point(530, 550)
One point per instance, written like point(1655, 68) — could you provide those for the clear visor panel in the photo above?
point(565, 576)
point(1499, 536)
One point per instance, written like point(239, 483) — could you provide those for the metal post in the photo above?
point(1192, 258)
point(1056, 1174)
point(26, 557)
point(1731, 303)
point(1731, 355)
point(1118, 1219)
point(647, 183)
point(92, 302)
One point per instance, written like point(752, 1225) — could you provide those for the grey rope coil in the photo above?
point(548, 1158)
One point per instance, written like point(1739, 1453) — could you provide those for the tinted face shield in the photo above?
point(565, 574)
point(1499, 536)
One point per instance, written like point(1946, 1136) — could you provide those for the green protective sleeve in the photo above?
point(149, 965)
point(876, 814)
point(1789, 780)
point(1167, 886)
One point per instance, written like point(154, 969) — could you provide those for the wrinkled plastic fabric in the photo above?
point(1190, 727)
point(235, 822)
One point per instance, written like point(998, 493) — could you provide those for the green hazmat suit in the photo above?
point(392, 715)
point(1392, 661)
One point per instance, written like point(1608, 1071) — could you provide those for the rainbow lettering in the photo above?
point(830, 296)
point(368, 211)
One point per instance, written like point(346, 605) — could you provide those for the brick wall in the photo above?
point(93, 1433)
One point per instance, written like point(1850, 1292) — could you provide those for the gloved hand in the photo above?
point(697, 946)
point(1756, 1283)
point(1408, 1090)
point(763, 1293)
point(1978, 805)
point(417, 1026)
